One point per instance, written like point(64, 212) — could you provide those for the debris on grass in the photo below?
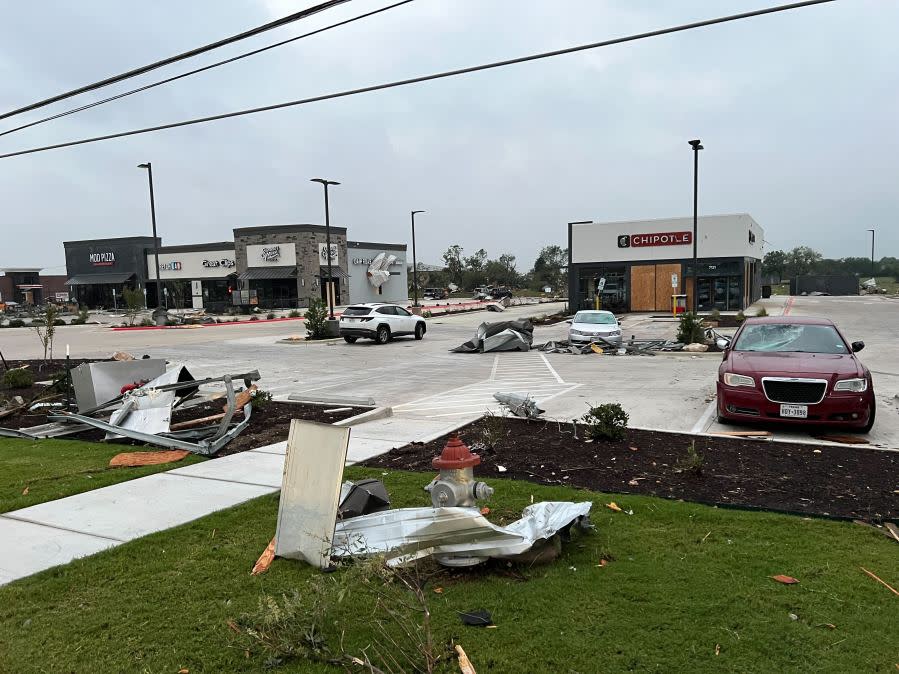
point(786, 580)
point(882, 582)
point(132, 459)
point(265, 559)
point(478, 618)
point(465, 665)
point(613, 506)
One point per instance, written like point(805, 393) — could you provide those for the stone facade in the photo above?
point(306, 239)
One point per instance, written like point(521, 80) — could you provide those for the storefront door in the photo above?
point(723, 293)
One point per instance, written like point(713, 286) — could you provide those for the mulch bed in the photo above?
point(845, 482)
point(41, 371)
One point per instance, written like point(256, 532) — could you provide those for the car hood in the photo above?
point(825, 365)
point(595, 328)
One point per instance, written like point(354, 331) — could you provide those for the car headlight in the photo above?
point(575, 332)
point(732, 379)
point(615, 333)
point(854, 385)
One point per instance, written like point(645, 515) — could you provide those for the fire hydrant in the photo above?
point(455, 485)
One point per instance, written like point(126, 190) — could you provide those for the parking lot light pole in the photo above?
point(697, 146)
point(414, 263)
point(149, 168)
point(325, 183)
point(872, 252)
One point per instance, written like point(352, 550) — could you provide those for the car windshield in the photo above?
point(356, 311)
point(595, 319)
point(786, 337)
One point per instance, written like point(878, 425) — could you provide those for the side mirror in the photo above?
point(569, 321)
point(723, 344)
point(857, 346)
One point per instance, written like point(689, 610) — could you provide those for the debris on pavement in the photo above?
point(843, 439)
point(696, 348)
point(600, 346)
point(132, 459)
point(519, 405)
point(122, 355)
point(495, 306)
point(786, 580)
point(479, 618)
point(517, 335)
point(265, 559)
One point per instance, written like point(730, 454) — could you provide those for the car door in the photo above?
point(387, 315)
point(406, 320)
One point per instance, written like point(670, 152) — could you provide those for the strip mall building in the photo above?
point(639, 265)
point(270, 267)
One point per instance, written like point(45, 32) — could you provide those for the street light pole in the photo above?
point(872, 252)
point(697, 146)
point(325, 183)
point(149, 168)
point(414, 264)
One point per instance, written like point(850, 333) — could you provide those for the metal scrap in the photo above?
point(517, 335)
point(631, 347)
point(519, 405)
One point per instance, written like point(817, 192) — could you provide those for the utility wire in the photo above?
point(427, 78)
point(296, 16)
point(199, 70)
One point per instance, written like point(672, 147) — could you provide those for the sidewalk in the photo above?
point(57, 532)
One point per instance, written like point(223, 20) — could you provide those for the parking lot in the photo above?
point(423, 379)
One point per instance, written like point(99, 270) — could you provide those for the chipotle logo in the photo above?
point(655, 239)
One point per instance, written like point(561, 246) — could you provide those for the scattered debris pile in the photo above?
point(631, 347)
point(515, 335)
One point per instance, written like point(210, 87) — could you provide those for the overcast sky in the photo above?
point(798, 113)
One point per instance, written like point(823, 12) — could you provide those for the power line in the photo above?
point(296, 16)
point(204, 68)
point(427, 78)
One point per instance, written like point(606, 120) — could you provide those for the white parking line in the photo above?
point(552, 369)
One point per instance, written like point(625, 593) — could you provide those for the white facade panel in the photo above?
point(272, 255)
point(212, 264)
point(395, 289)
point(670, 238)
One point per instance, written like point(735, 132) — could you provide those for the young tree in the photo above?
point(549, 267)
point(134, 303)
point(454, 266)
point(476, 262)
point(47, 331)
point(802, 260)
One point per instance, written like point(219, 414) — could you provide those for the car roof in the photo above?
point(595, 311)
point(792, 320)
point(371, 305)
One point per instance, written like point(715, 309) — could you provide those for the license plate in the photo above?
point(794, 411)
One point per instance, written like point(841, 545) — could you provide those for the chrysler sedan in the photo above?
point(794, 369)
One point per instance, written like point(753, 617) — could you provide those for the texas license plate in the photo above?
point(794, 411)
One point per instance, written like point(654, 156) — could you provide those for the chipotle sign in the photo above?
point(655, 239)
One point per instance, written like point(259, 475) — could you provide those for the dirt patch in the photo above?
point(846, 482)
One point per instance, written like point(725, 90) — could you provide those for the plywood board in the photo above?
point(643, 287)
point(310, 490)
point(664, 291)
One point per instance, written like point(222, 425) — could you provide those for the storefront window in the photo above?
point(613, 295)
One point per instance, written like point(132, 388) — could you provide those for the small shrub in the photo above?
point(254, 317)
point(59, 321)
point(77, 321)
point(270, 316)
point(426, 313)
point(18, 378)
point(740, 317)
point(261, 398)
point(38, 321)
point(83, 315)
point(606, 422)
point(15, 323)
point(692, 462)
point(690, 329)
point(715, 315)
point(762, 313)
point(293, 314)
point(146, 323)
point(316, 319)
point(493, 430)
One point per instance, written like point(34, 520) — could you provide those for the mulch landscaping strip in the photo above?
point(842, 482)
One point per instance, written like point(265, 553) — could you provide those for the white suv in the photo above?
point(380, 322)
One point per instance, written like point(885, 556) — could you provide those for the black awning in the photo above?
point(264, 273)
point(336, 272)
point(98, 279)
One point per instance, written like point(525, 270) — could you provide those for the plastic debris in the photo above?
point(478, 618)
point(786, 580)
point(613, 506)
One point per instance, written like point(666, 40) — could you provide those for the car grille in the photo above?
point(794, 391)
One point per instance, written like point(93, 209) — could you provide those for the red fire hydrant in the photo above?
point(455, 485)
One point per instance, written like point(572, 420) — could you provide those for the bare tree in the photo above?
point(47, 331)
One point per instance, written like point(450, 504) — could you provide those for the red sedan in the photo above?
point(795, 369)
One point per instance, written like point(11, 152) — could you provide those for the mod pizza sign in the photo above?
point(655, 239)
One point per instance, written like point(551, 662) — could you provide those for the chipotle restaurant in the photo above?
point(639, 265)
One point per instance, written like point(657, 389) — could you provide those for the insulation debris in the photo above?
point(131, 459)
point(515, 335)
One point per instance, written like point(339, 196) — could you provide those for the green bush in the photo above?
point(59, 321)
point(690, 329)
point(77, 321)
point(270, 316)
point(15, 323)
point(715, 315)
point(38, 321)
point(740, 317)
point(762, 313)
point(18, 378)
point(606, 422)
point(254, 318)
point(146, 323)
point(260, 399)
point(293, 314)
point(317, 319)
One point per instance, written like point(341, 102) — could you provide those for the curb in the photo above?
point(370, 415)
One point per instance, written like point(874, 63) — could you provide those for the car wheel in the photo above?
point(419, 331)
point(871, 414)
point(350, 339)
point(383, 335)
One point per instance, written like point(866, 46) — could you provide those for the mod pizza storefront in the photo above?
point(639, 265)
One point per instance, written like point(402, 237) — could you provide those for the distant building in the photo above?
point(26, 285)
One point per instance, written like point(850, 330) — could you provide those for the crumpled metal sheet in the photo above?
point(147, 409)
point(379, 270)
point(519, 405)
point(517, 335)
point(453, 536)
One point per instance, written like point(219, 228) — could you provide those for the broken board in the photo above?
point(310, 491)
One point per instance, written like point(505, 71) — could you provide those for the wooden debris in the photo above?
point(893, 529)
point(129, 459)
point(745, 434)
point(25, 491)
point(242, 398)
point(786, 580)
point(199, 422)
point(845, 439)
point(886, 530)
point(884, 583)
point(465, 665)
point(613, 506)
point(265, 559)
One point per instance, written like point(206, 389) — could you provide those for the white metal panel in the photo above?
point(272, 255)
point(310, 491)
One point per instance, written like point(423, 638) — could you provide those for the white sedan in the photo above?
point(586, 326)
point(380, 322)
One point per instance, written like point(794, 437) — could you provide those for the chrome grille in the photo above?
point(801, 391)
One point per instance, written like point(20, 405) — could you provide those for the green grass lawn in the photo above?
point(52, 469)
point(683, 579)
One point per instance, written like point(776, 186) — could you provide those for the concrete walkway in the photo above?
point(56, 532)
